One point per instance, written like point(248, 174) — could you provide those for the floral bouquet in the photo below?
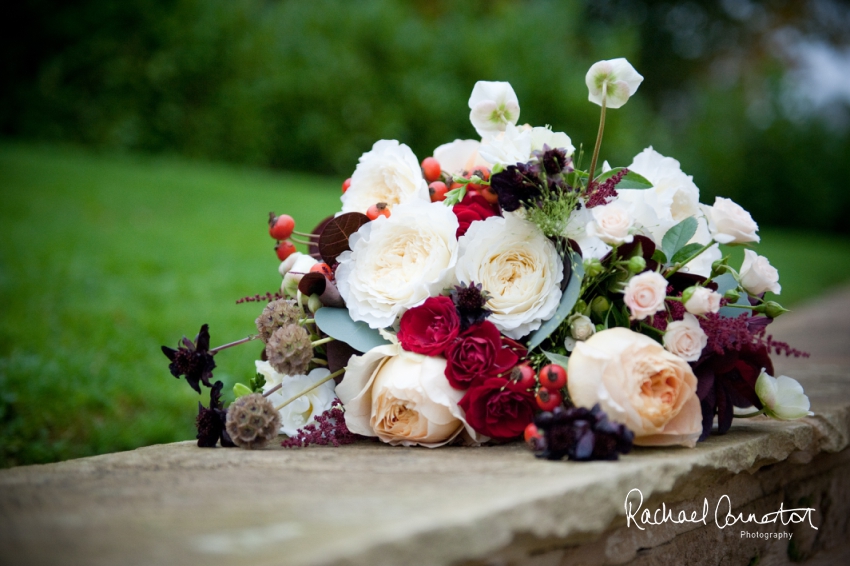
point(498, 290)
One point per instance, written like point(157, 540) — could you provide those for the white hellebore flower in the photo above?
point(685, 338)
point(293, 269)
point(645, 294)
point(729, 223)
point(612, 81)
point(515, 145)
point(518, 266)
point(757, 275)
point(459, 156)
point(303, 410)
point(388, 173)
point(553, 140)
point(702, 301)
point(396, 263)
point(493, 105)
point(782, 397)
point(612, 224)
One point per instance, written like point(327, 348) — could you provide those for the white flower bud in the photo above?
point(783, 397)
point(581, 327)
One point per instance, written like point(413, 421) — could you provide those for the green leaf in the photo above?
point(659, 256)
point(454, 196)
point(621, 316)
point(338, 324)
point(685, 252)
point(558, 359)
point(677, 237)
point(634, 180)
point(240, 390)
point(568, 300)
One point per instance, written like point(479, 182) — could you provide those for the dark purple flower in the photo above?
point(469, 301)
point(192, 360)
point(211, 421)
point(582, 434)
point(516, 186)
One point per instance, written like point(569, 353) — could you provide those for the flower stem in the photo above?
point(273, 389)
point(306, 235)
point(319, 362)
point(323, 341)
point(682, 264)
point(307, 321)
point(592, 171)
point(242, 341)
point(751, 415)
point(312, 387)
point(648, 327)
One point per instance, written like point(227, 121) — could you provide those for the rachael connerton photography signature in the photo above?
point(723, 514)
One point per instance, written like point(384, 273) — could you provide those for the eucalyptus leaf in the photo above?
point(338, 324)
point(677, 237)
point(568, 300)
point(685, 252)
point(558, 359)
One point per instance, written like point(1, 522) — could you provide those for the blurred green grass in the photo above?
point(106, 257)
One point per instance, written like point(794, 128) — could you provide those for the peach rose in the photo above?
point(637, 383)
point(645, 294)
point(403, 398)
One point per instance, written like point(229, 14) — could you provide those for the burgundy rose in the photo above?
point(499, 408)
point(478, 354)
point(429, 328)
point(470, 209)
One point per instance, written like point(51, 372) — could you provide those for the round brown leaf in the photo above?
point(334, 238)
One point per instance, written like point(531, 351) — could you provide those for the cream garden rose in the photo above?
point(303, 410)
point(459, 156)
point(612, 224)
point(396, 263)
point(637, 383)
point(685, 338)
point(518, 266)
point(645, 294)
point(757, 275)
point(388, 173)
point(729, 223)
point(403, 398)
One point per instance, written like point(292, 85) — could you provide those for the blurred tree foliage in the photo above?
point(311, 85)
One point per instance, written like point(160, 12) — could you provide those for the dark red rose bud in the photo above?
point(499, 408)
point(429, 328)
point(478, 354)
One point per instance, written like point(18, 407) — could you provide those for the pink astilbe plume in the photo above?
point(267, 298)
point(328, 428)
point(600, 194)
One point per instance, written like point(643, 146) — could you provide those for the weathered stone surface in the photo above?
point(374, 504)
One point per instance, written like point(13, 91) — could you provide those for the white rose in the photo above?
point(639, 384)
point(396, 263)
point(518, 266)
point(672, 198)
point(613, 81)
point(685, 338)
point(702, 301)
point(303, 410)
point(757, 275)
point(645, 294)
point(388, 173)
point(612, 224)
point(493, 105)
point(296, 270)
point(459, 156)
point(554, 140)
point(403, 398)
point(591, 246)
point(508, 147)
point(782, 397)
point(731, 224)
point(581, 327)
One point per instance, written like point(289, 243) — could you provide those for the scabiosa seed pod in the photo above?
point(252, 421)
point(277, 314)
point(289, 350)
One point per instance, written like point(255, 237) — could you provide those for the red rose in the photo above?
point(499, 408)
point(430, 327)
point(476, 355)
point(470, 209)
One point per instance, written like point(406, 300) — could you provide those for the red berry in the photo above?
point(377, 210)
point(548, 399)
point(281, 227)
point(322, 268)
point(489, 194)
point(437, 190)
point(284, 249)
point(455, 186)
point(553, 377)
point(346, 184)
point(431, 169)
point(531, 433)
point(526, 377)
